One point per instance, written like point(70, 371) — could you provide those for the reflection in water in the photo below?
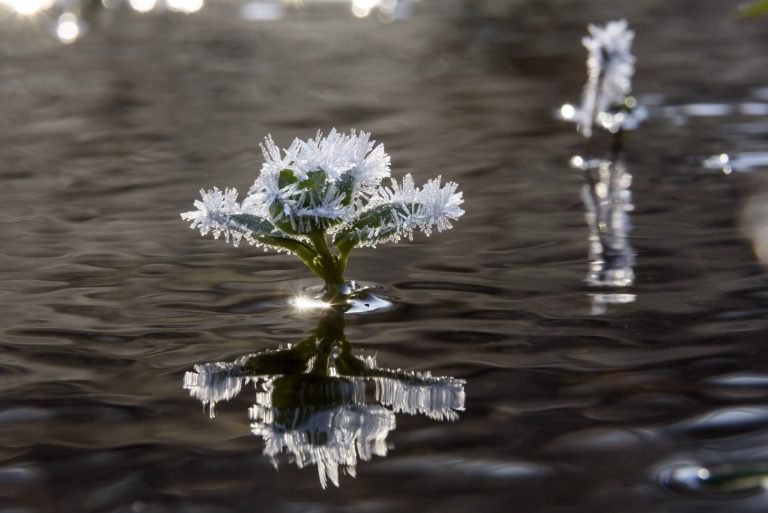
point(681, 114)
point(28, 7)
point(386, 10)
point(142, 5)
point(312, 399)
point(608, 104)
point(600, 302)
point(185, 6)
point(63, 17)
point(742, 162)
point(69, 20)
point(68, 28)
point(269, 10)
point(608, 200)
point(722, 479)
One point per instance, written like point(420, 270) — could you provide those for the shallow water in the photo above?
point(577, 398)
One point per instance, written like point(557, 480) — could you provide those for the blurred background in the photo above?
point(113, 114)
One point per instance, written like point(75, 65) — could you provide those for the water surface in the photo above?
point(577, 398)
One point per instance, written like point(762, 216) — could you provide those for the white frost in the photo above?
point(213, 214)
point(430, 207)
point(350, 187)
point(610, 67)
point(336, 154)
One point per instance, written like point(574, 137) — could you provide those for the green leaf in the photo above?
point(345, 186)
point(254, 224)
point(754, 8)
point(286, 177)
point(384, 217)
point(269, 235)
point(277, 208)
point(315, 187)
point(314, 184)
point(277, 211)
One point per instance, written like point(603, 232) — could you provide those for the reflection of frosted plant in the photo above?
point(317, 413)
point(327, 188)
point(610, 66)
point(325, 421)
point(331, 433)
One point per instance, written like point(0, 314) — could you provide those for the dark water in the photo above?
point(577, 399)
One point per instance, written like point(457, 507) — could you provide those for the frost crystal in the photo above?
point(336, 154)
point(610, 67)
point(214, 212)
point(406, 208)
point(332, 184)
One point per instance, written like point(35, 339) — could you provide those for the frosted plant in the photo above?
point(321, 198)
point(606, 99)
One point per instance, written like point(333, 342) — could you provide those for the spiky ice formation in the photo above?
point(214, 212)
point(329, 189)
point(397, 211)
point(605, 100)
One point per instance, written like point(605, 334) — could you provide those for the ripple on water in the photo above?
point(599, 441)
point(107, 297)
point(723, 422)
point(367, 297)
point(743, 483)
point(741, 162)
point(487, 468)
point(739, 379)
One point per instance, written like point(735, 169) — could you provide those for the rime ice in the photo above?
point(332, 183)
point(335, 188)
point(605, 100)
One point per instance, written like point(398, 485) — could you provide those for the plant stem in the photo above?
point(329, 267)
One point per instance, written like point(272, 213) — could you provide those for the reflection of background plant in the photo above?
point(311, 400)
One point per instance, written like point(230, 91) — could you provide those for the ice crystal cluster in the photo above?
point(606, 99)
point(333, 187)
point(326, 421)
